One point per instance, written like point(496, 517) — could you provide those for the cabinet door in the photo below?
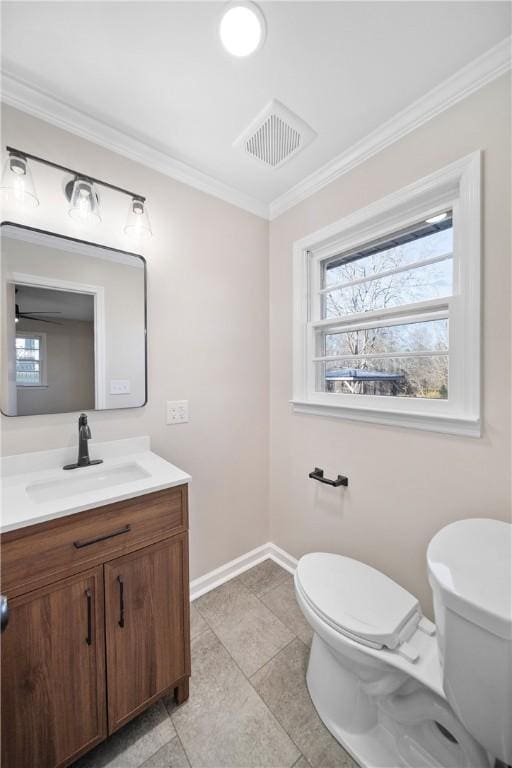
point(147, 625)
point(53, 673)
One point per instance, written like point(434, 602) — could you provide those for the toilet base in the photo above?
point(397, 730)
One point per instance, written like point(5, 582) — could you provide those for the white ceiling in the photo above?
point(66, 305)
point(157, 71)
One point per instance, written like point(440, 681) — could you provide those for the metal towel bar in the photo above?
point(318, 474)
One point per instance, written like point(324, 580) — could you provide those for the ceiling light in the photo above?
point(437, 218)
point(242, 28)
point(84, 201)
point(137, 223)
point(17, 185)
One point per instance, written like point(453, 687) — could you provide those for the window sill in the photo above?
point(431, 423)
point(31, 386)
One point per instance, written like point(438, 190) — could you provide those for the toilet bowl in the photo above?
point(375, 673)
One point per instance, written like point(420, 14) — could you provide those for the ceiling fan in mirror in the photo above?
point(19, 315)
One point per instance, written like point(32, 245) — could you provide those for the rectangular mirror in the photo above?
point(73, 320)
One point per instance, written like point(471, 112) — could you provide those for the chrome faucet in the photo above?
point(84, 434)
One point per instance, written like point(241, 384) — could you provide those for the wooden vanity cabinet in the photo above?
point(85, 652)
point(145, 631)
point(53, 673)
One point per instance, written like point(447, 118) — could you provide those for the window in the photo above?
point(394, 356)
point(30, 360)
point(387, 309)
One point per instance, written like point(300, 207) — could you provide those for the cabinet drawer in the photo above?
point(41, 553)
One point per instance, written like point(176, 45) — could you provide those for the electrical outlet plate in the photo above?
point(177, 412)
point(119, 386)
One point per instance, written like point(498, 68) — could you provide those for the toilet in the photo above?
point(395, 689)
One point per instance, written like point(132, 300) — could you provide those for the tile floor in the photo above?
point(248, 703)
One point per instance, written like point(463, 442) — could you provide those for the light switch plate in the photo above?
point(177, 412)
point(119, 387)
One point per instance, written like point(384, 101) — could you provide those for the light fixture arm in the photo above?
point(84, 176)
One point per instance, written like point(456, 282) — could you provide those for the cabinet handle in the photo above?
point(88, 594)
point(88, 542)
point(121, 601)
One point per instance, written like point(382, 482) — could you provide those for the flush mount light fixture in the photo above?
point(17, 184)
point(137, 223)
point(242, 28)
point(84, 200)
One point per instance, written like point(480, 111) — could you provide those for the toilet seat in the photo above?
point(360, 602)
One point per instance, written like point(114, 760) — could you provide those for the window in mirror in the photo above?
point(30, 362)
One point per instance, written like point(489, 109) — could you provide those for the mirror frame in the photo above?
point(105, 248)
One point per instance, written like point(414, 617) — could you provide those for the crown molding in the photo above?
point(24, 96)
point(28, 98)
point(487, 67)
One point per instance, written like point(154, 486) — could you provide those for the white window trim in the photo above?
point(456, 186)
point(43, 384)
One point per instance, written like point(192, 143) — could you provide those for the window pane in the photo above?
point(431, 335)
point(359, 265)
point(27, 365)
point(27, 377)
point(428, 282)
point(22, 377)
point(28, 352)
point(422, 377)
point(24, 343)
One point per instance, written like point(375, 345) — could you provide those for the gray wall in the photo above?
point(69, 369)
point(404, 484)
point(208, 269)
point(207, 323)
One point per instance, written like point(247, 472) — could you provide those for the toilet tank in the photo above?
point(470, 572)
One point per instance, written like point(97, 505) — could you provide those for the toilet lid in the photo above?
point(356, 599)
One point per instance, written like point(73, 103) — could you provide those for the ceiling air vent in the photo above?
point(275, 135)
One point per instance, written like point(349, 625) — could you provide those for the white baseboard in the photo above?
point(235, 567)
point(282, 558)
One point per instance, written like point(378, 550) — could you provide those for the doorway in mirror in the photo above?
point(73, 325)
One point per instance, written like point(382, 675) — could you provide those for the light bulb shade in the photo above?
point(17, 184)
point(137, 223)
point(84, 202)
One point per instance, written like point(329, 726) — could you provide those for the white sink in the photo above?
point(35, 489)
point(85, 479)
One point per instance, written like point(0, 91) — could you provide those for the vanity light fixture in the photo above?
point(137, 223)
point(242, 28)
point(81, 192)
point(84, 200)
point(17, 184)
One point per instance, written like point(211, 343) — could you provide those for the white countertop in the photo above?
point(27, 470)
